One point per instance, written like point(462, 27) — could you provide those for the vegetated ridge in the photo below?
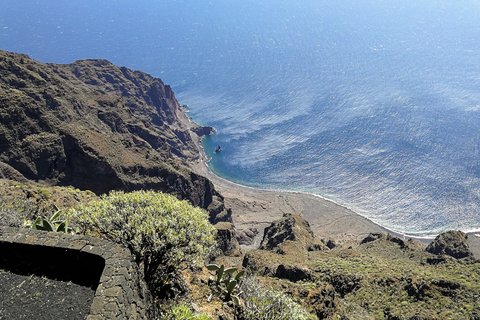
point(98, 127)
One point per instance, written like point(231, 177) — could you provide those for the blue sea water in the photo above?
point(372, 103)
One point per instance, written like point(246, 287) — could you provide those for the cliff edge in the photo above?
point(98, 127)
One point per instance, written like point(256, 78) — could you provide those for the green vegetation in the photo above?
point(20, 201)
point(165, 235)
point(261, 303)
point(24, 202)
point(226, 282)
point(54, 223)
point(183, 312)
point(379, 278)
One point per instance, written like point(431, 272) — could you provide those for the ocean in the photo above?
point(374, 104)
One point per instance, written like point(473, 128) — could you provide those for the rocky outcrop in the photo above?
point(323, 301)
point(247, 237)
point(451, 243)
point(372, 237)
point(292, 231)
point(203, 131)
point(96, 126)
point(345, 284)
point(403, 244)
point(293, 273)
point(226, 239)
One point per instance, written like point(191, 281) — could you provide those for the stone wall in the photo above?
point(121, 292)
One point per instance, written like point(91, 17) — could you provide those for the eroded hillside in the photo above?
point(98, 127)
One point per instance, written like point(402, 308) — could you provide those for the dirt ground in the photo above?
point(36, 297)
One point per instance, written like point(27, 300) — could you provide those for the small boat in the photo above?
point(218, 149)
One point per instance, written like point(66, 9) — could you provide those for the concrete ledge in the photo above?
point(121, 292)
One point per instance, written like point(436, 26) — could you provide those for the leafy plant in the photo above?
point(54, 223)
point(183, 312)
point(262, 303)
point(166, 235)
point(226, 282)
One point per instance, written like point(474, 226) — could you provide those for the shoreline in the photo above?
point(256, 208)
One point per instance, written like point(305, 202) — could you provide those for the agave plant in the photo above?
point(54, 223)
point(225, 282)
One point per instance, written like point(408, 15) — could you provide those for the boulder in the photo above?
point(247, 237)
point(372, 237)
point(292, 231)
point(451, 243)
point(226, 239)
point(203, 131)
point(293, 273)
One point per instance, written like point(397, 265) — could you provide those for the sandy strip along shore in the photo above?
point(257, 208)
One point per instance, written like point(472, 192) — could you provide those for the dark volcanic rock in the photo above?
point(226, 239)
point(293, 273)
point(203, 131)
point(372, 237)
point(452, 243)
point(95, 126)
point(323, 300)
point(345, 284)
point(404, 244)
point(293, 230)
point(418, 289)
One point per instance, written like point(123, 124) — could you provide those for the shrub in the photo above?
point(14, 213)
point(165, 234)
point(263, 304)
point(183, 312)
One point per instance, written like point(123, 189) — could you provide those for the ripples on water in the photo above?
point(372, 103)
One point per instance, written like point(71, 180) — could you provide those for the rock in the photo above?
point(447, 288)
point(255, 264)
point(420, 290)
point(247, 237)
point(345, 284)
point(323, 300)
point(439, 259)
point(323, 245)
point(293, 273)
point(408, 244)
point(372, 237)
point(226, 239)
point(203, 131)
point(292, 231)
point(8, 172)
point(331, 244)
point(451, 243)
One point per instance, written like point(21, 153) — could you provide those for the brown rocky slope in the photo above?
point(98, 127)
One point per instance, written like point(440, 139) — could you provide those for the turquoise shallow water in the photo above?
point(372, 103)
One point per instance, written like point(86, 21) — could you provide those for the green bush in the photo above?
point(183, 312)
point(266, 304)
point(166, 235)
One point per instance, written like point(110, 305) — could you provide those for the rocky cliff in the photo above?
point(98, 127)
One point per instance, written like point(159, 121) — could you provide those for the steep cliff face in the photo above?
point(96, 126)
